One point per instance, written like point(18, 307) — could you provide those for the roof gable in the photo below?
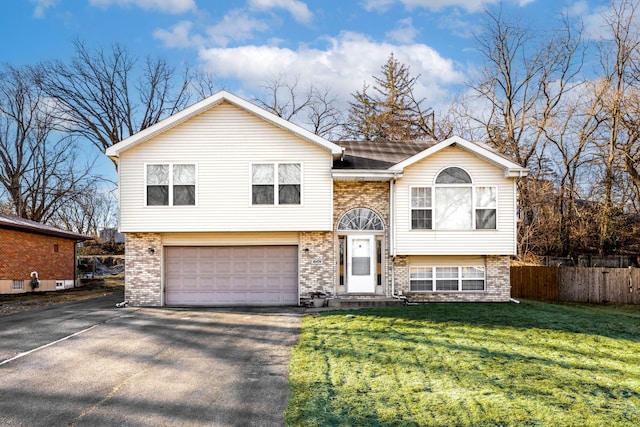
point(211, 102)
point(511, 169)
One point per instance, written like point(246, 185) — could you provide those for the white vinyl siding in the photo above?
point(226, 141)
point(498, 241)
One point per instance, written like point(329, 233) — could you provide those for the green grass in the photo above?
point(529, 364)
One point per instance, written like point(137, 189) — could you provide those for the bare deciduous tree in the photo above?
point(106, 96)
point(315, 109)
point(39, 171)
point(88, 212)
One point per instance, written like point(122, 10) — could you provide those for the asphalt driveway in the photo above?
point(91, 364)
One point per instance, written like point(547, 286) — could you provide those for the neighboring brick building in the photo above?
point(27, 247)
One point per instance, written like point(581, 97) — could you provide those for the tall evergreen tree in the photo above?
point(392, 112)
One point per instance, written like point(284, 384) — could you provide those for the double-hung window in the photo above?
point(421, 210)
point(446, 279)
point(485, 208)
point(171, 184)
point(276, 183)
point(453, 203)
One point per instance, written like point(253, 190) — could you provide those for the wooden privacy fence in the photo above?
point(533, 282)
point(577, 284)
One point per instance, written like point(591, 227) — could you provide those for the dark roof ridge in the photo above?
point(22, 224)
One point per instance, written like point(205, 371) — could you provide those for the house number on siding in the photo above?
point(316, 261)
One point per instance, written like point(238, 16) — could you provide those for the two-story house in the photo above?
point(224, 203)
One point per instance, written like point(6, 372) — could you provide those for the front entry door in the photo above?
point(361, 263)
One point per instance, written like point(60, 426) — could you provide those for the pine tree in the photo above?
point(392, 112)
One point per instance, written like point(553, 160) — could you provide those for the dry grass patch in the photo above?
point(103, 286)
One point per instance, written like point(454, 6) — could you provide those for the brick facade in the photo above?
point(349, 195)
point(316, 263)
point(21, 252)
point(143, 279)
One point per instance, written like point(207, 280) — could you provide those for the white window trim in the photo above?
point(411, 208)
point(459, 278)
point(276, 201)
point(171, 165)
point(476, 207)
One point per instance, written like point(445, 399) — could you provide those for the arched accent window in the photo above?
point(360, 219)
point(453, 175)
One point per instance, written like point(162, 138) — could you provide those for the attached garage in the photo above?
point(231, 275)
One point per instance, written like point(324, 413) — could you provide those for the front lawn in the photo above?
point(468, 364)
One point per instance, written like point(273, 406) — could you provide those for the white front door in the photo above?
point(361, 263)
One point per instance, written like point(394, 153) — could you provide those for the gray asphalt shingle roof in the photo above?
point(378, 154)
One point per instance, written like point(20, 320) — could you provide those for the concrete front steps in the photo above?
point(342, 302)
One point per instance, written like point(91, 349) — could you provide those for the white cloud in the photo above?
point(471, 6)
point(405, 33)
point(166, 6)
point(235, 26)
point(297, 9)
point(178, 36)
point(592, 19)
point(348, 61)
point(41, 6)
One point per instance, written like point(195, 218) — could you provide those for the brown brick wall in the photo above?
point(317, 264)
point(23, 252)
point(143, 278)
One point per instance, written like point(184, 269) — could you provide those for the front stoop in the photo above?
point(364, 302)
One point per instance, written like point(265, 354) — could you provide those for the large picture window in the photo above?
point(446, 279)
point(453, 203)
point(265, 191)
point(171, 184)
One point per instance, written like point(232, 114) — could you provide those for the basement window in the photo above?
point(446, 279)
point(18, 285)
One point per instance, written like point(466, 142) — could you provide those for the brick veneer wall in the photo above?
point(497, 276)
point(22, 252)
point(143, 278)
point(317, 272)
point(349, 195)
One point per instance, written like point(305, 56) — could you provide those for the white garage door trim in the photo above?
point(231, 275)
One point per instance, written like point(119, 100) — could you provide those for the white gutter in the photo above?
point(364, 175)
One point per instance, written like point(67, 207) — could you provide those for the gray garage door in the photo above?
point(231, 275)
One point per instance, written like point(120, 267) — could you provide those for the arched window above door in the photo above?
point(360, 219)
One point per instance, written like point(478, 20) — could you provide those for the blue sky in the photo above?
point(243, 43)
point(338, 44)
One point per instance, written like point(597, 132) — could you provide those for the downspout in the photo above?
point(392, 237)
